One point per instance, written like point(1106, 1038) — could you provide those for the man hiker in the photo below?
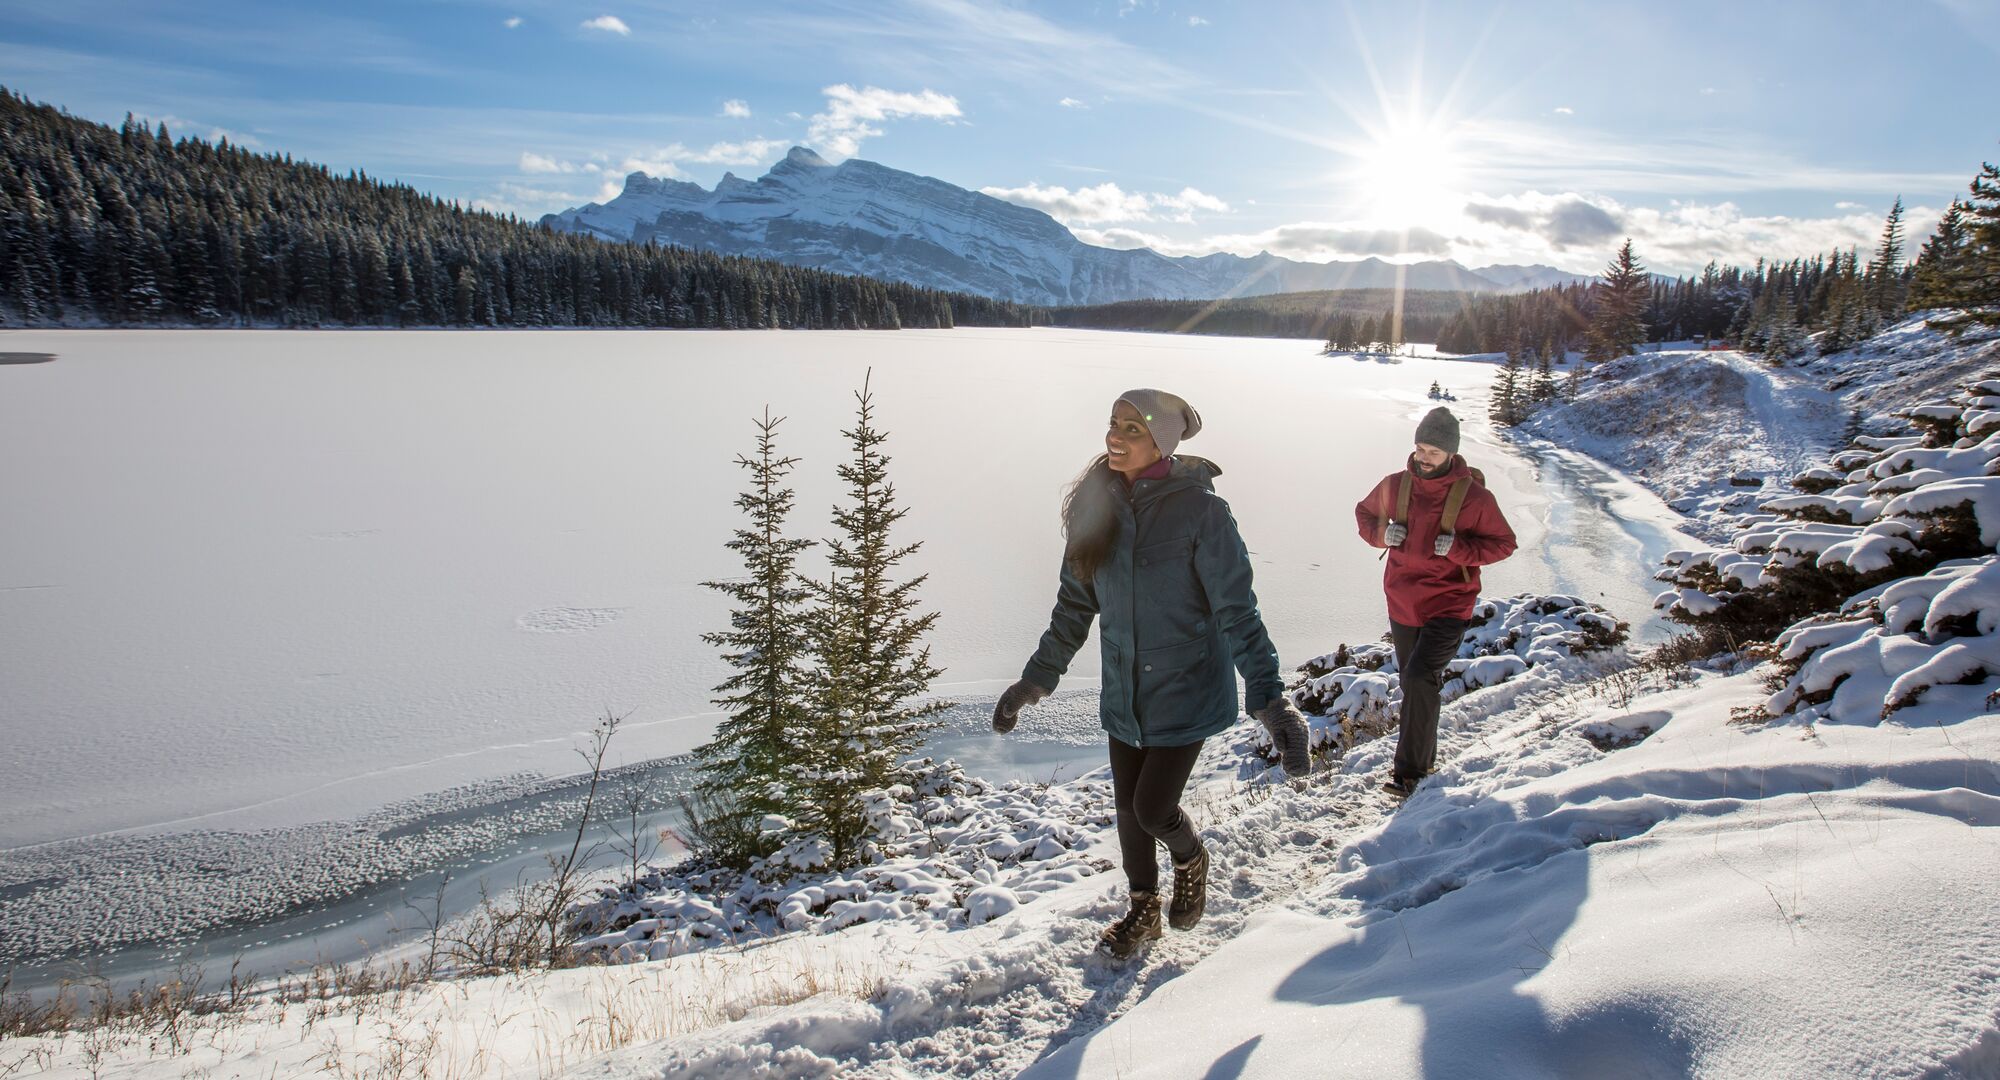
point(1440, 525)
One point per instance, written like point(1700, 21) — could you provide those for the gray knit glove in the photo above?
point(1015, 698)
point(1443, 544)
point(1395, 534)
point(1289, 734)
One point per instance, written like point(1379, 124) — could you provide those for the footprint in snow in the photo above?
point(567, 620)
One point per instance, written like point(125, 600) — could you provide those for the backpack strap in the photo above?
point(1403, 498)
point(1454, 500)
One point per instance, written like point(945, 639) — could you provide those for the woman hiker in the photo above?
point(1440, 525)
point(1153, 550)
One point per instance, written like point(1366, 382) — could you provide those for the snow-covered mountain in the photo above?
point(859, 217)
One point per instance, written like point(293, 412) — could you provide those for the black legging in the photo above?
point(1146, 784)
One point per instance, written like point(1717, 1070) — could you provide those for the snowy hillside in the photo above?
point(1706, 431)
point(859, 217)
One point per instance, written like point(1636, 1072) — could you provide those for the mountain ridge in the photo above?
point(862, 217)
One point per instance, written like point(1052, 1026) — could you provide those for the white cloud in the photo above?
point(179, 126)
point(512, 23)
point(748, 152)
point(1072, 103)
point(1708, 91)
point(610, 23)
point(528, 202)
point(1125, 239)
point(1564, 110)
point(1086, 205)
point(736, 109)
point(1845, 205)
point(656, 163)
point(1196, 20)
point(532, 162)
point(850, 114)
point(1107, 202)
point(1191, 199)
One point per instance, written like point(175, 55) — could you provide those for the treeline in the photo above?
point(133, 227)
point(1368, 315)
point(1781, 309)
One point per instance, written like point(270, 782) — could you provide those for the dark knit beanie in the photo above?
point(1439, 429)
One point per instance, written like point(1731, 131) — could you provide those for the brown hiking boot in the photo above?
point(1190, 891)
point(1139, 926)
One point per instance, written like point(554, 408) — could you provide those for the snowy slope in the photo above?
point(1715, 901)
point(1709, 432)
point(860, 217)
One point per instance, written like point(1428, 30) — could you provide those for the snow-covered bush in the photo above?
point(1879, 581)
point(942, 845)
point(1885, 509)
point(1353, 694)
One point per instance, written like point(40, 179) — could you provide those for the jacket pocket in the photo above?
point(1177, 687)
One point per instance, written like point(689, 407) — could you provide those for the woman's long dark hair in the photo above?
point(1090, 521)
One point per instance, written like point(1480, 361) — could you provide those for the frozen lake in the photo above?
point(253, 580)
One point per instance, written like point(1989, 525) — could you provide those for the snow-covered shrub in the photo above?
point(942, 845)
point(1927, 639)
point(1885, 509)
point(1353, 694)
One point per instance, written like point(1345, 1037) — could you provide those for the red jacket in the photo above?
point(1421, 586)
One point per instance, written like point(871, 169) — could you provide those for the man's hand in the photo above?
point(1015, 698)
point(1443, 544)
point(1289, 733)
point(1395, 534)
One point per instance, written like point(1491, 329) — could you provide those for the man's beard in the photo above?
point(1429, 473)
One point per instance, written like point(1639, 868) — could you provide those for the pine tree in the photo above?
point(1784, 338)
point(750, 769)
point(1622, 296)
point(1572, 384)
point(862, 633)
point(1885, 270)
point(1975, 285)
point(1506, 406)
point(1939, 259)
point(1543, 388)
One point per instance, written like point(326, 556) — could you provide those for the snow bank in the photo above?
point(1354, 693)
point(947, 848)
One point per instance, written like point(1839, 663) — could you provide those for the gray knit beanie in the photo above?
point(1168, 416)
point(1439, 429)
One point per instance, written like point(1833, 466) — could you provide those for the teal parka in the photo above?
point(1177, 612)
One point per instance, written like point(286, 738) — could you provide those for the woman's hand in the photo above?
point(1289, 733)
point(1015, 698)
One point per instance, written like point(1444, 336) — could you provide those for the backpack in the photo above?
point(1453, 501)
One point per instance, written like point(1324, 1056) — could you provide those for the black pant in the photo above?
point(1421, 655)
point(1146, 784)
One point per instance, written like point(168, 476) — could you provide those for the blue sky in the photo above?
point(1528, 132)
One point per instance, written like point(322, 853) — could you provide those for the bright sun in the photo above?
point(1405, 175)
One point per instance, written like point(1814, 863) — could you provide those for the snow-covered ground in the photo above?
point(292, 617)
point(1652, 870)
point(1608, 876)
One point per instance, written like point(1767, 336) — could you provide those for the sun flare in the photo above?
point(1405, 174)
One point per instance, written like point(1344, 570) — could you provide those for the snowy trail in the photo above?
point(1794, 413)
point(1018, 1000)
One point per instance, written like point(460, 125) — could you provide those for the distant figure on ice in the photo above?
point(1152, 549)
point(1440, 525)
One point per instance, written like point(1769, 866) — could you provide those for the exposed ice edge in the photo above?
point(77, 897)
